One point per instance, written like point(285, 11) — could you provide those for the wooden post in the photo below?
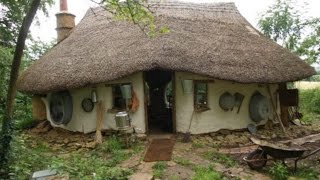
point(100, 118)
point(284, 110)
point(275, 110)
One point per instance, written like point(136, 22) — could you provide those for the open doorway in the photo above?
point(160, 97)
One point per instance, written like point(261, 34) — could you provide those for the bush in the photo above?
point(310, 100)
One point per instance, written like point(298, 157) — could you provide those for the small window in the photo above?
point(200, 96)
point(118, 101)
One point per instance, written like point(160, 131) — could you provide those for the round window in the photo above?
point(60, 105)
point(87, 105)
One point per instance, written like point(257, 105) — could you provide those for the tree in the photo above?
point(11, 17)
point(287, 25)
point(136, 11)
point(7, 121)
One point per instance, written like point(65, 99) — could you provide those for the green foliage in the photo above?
point(12, 14)
point(279, 171)
point(220, 158)
point(309, 101)
point(25, 159)
point(182, 161)
point(112, 145)
point(284, 23)
point(206, 173)
point(197, 143)
point(29, 155)
point(307, 173)
point(159, 168)
point(136, 11)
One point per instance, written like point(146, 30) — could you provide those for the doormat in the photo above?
point(159, 150)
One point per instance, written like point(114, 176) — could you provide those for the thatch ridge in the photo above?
point(213, 40)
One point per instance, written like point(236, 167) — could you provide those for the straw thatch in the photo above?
point(208, 39)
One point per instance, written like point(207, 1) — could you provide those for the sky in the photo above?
point(250, 9)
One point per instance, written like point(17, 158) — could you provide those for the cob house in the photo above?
point(212, 71)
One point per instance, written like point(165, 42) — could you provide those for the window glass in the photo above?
point(200, 95)
point(118, 101)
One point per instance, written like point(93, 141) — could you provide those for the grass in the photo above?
point(182, 161)
point(215, 156)
point(30, 156)
point(307, 173)
point(310, 104)
point(196, 143)
point(159, 169)
point(278, 171)
point(206, 173)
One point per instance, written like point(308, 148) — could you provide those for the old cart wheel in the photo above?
point(257, 159)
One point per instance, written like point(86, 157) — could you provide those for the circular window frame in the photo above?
point(84, 104)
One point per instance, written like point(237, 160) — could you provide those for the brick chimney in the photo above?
point(65, 21)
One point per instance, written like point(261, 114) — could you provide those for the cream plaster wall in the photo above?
point(204, 122)
point(86, 121)
point(216, 118)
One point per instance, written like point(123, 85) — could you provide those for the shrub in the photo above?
point(310, 100)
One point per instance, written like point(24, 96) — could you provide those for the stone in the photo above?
point(90, 145)
point(213, 134)
point(224, 131)
point(142, 137)
point(231, 137)
point(220, 138)
point(131, 162)
point(141, 176)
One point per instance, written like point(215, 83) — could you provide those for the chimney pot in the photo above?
point(63, 5)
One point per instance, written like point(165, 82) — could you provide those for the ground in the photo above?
point(212, 156)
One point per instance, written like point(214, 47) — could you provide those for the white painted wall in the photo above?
point(208, 121)
point(216, 118)
point(86, 121)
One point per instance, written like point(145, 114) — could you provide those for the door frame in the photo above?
point(173, 79)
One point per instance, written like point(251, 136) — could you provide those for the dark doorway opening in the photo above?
point(160, 98)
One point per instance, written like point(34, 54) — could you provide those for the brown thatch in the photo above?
point(208, 39)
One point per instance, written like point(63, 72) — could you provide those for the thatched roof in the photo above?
point(208, 39)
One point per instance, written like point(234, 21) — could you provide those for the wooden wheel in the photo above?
point(257, 159)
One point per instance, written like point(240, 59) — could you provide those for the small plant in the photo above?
point(197, 143)
point(182, 161)
point(279, 171)
point(112, 144)
point(206, 173)
point(220, 158)
point(307, 173)
point(158, 169)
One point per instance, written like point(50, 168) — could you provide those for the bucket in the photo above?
point(122, 120)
